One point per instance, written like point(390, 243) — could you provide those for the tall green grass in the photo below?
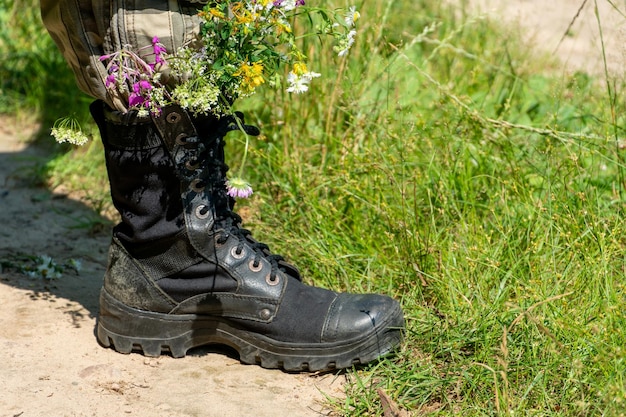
point(442, 163)
point(34, 78)
point(37, 86)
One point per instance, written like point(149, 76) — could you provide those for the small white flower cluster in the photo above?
point(197, 89)
point(300, 83)
point(63, 134)
point(346, 43)
point(198, 99)
point(47, 268)
point(188, 63)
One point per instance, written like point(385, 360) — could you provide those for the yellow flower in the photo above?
point(242, 15)
point(212, 12)
point(282, 27)
point(252, 75)
point(216, 13)
point(300, 68)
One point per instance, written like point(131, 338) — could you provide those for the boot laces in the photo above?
point(229, 223)
point(214, 175)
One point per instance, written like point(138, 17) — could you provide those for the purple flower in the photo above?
point(138, 97)
point(131, 76)
point(288, 5)
point(136, 100)
point(142, 85)
point(110, 80)
point(158, 49)
point(238, 188)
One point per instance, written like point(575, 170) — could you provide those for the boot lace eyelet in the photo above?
point(253, 267)
point(173, 118)
point(202, 212)
point(197, 185)
point(181, 139)
point(265, 314)
point(237, 253)
point(220, 239)
point(192, 164)
point(272, 279)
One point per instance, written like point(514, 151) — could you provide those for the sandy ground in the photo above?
point(50, 362)
point(545, 25)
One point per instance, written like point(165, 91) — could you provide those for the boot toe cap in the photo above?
point(356, 315)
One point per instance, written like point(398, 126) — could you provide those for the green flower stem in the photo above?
point(245, 149)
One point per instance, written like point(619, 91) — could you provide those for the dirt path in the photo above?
point(543, 24)
point(50, 362)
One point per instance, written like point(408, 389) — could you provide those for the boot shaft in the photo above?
point(144, 187)
point(168, 183)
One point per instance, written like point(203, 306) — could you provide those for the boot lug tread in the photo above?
point(175, 335)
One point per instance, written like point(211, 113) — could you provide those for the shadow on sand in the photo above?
point(36, 221)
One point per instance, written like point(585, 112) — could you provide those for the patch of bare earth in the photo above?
point(582, 34)
point(51, 364)
point(50, 361)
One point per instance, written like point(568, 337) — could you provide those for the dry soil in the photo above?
point(50, 362)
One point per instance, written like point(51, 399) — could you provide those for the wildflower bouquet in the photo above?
point(243, 45)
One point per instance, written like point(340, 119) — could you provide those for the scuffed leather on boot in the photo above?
point(129, 283)
point(279, 323)
point(246, 297)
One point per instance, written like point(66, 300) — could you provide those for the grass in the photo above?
point(33, 75)
point(443, 164)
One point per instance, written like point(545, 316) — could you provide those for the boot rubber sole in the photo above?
point(127, 329)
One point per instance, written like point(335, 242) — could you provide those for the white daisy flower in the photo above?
point(352, 16)
point(297, 83)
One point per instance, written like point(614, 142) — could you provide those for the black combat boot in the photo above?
point(183, 273)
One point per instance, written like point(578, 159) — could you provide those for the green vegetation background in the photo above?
point(443, 163)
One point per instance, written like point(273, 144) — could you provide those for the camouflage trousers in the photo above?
point(84, 30)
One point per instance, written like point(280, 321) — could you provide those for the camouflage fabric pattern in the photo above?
point(84, 30)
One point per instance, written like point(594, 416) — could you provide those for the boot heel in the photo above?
point(127, 329)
